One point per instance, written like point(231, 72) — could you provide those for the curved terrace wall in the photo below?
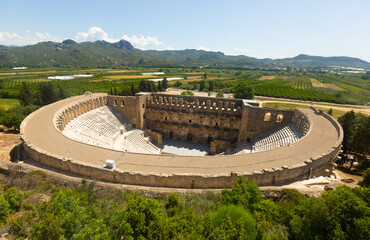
point(264, 168)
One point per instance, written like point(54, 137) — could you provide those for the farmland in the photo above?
point(299, 85)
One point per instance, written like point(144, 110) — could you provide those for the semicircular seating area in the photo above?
point(105, 127)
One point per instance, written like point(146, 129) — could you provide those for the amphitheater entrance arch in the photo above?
point(209, 139)
point(171, 135)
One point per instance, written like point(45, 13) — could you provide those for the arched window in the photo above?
point(267, 117)
point(279, 118)
point(122, 103)
point(115, 102)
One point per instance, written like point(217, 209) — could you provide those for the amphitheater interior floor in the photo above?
point(184, 148)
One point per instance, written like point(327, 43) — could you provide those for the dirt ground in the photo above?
point(8, 140)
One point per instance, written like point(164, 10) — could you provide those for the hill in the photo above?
point(104, 54)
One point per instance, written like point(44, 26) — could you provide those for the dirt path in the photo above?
point(7, 142)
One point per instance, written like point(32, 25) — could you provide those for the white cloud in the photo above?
point(7, 38)
point(170, 48)
point(93, 34)
point(142, 41)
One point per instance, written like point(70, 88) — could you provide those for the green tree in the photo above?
point(330, 112)
point(233, 222)
point(244, 193)
point(141, 213)
point(366, 179)
point(143, 86)
point(173, 205)
point(61, 93)
point(93, 229)
point(205, 76)
point(25, 95)
point(46, 93)
point(14, 198)
point(220, 94)
point(340, 214)
point(126, 91)
point(164, 83)
point(243, 91)
point(160, 86)
point(4, 209)
point(12, 119)
point(133, 89)
point(14, 116)
point(356, 129)
point(202, 85)
point(210, 86)
point(178, 84)
point(49, 227)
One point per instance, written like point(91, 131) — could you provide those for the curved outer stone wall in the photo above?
point(44, 142)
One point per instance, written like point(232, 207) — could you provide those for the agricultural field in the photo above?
point(299, 85)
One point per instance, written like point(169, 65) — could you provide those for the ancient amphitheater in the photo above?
point(176, 141)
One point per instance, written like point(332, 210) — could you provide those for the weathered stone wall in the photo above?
point(131, 107)
point(256, 120)
point(263, 178)
point(196, 119)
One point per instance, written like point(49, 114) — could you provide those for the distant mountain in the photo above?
point(105, 54)
point(307, 61)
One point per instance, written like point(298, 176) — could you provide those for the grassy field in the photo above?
point(6, 103)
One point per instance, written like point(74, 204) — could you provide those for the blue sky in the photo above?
point(274, 28)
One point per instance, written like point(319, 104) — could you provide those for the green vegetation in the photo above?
point(366, 180)
point(31, 86)
point(13, 117)
point(242, 91)
point(90, 212)
point(188, 93)
point(8, 103)
point(220, 94)
point(356, 129)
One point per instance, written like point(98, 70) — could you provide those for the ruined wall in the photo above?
point(256, 121)
point(196, 119)
point(264, 177)
point(131, 107)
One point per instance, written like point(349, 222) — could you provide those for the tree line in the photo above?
point(86, 212)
